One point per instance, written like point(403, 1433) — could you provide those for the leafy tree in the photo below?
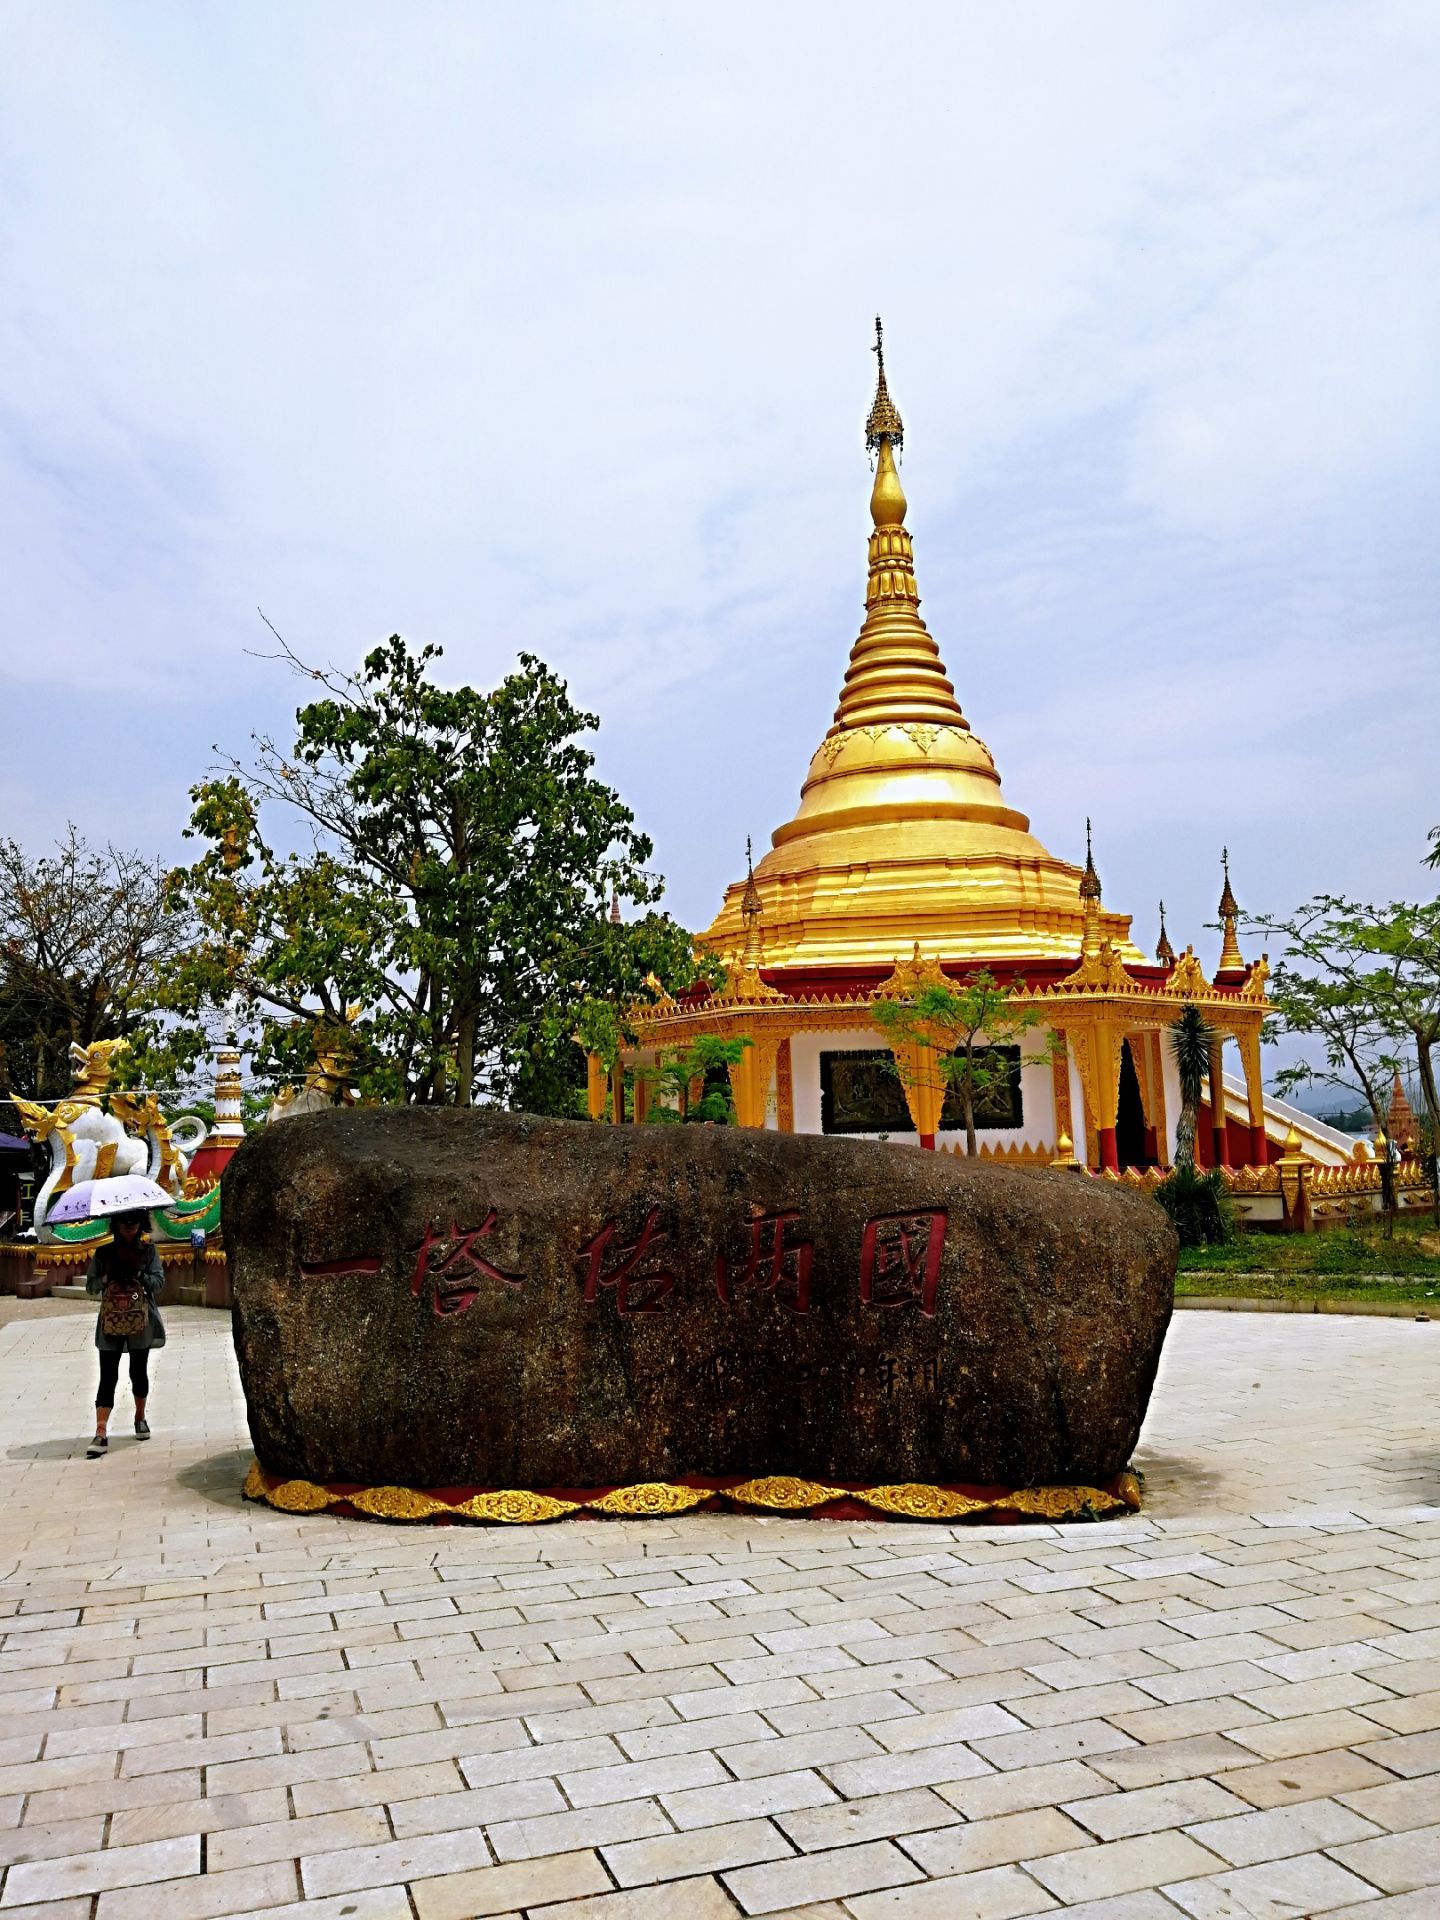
point(965, 1024)
point(450, 909)
point(1191, 1040)
point(1403, 988)
point(85, 939)
point(1333, 988)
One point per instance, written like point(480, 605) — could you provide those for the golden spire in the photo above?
point(1090, 879)
point(1231, 959)
point(1164, 952)
point(750, 910)
point(1090, 895)
point(884, 426)
point(896, 676)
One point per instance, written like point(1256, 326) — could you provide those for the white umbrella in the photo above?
point(97, 1199)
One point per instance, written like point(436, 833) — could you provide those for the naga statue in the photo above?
point(89, 1142)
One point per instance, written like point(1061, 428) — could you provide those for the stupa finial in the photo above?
point(1231, 959)
point(1090, 879)
point(1164, 952)
point(750, 899)
point(884, 425)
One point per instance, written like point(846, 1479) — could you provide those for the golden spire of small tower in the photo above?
point(1164, 952)
point(1231, 959)
point(1090, 894)
point(750, 910)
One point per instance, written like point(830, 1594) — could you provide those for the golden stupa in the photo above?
point(904, 866)
point(903, 834)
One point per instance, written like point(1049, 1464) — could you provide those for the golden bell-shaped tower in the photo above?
point(902, 833)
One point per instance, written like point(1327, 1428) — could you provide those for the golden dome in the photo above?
point(902, 833)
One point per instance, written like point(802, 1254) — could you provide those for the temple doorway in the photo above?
point(1130, 1116)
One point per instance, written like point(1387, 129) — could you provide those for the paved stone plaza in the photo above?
point(1229, 1705)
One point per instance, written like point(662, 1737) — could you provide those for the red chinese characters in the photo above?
point(900, 1259)
point(452, 1262)
point(769, 1262)
point(635, 1292)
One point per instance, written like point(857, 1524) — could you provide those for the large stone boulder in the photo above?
point(446, 1299)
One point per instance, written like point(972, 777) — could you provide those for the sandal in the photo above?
point(97, 1447)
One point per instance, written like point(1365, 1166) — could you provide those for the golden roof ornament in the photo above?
point(883, 426)
point(1231, 959)
point(1164, 952)
point(1188, 978)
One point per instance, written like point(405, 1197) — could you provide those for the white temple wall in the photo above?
point(1171, 1076)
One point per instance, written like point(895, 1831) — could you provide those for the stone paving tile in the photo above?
point(248, 1890)
point(1397, 1862)
point(1280, 1889)
point(676, 1856)
point(1227, 1703)
point(999, 1893)
point(1399, 1806)
point(1011, 1837)
point(705, 1899)
point(94, 1871)
point(1121, 1866)
point(840, 1874)
point(503, 1889)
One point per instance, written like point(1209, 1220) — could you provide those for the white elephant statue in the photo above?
point(87, 1143)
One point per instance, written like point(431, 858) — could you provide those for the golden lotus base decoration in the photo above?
point(774, 1493)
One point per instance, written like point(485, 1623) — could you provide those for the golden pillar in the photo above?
point(1219, 1131)
point(924, 1086)
point(1096, 1045)
point(784, 1088)
point(750, 1082)
point(1249, 1044)
point(1060, 1081)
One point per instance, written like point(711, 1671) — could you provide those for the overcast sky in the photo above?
point(547, 327)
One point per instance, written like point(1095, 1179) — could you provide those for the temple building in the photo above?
point(906, 864)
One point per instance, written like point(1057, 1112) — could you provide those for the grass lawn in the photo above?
point(1340, 1263)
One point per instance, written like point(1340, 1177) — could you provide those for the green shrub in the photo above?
point(1198, 1206)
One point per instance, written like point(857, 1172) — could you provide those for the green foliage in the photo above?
point(1190, 1040)
point(449, 914)
point(85, 938)
point(1198, 1206)
point(965, 1024)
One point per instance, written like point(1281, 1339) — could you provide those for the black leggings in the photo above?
point(110, 1374)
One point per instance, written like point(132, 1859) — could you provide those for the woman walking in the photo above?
point(128, 1277)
